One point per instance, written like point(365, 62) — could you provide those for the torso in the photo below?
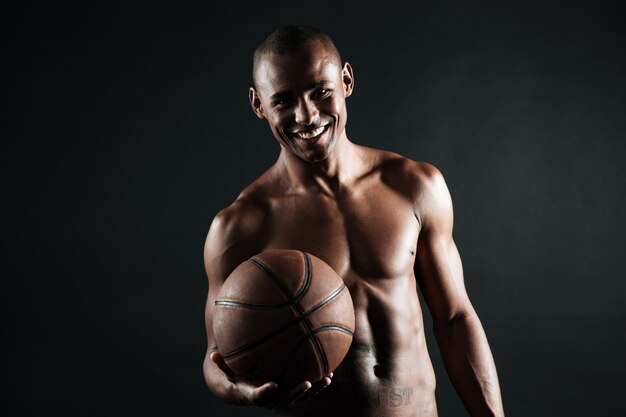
point(367, 233)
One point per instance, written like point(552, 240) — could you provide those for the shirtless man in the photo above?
point(382, 221)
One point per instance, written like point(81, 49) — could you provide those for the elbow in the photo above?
point(449, 323)
point(455, 314)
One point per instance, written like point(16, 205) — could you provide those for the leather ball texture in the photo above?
point(283, 316)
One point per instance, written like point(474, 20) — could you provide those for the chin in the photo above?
point(315, 155)
point(312, 155)
point(319, 154)
point(315, 158)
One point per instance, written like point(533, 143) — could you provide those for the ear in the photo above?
point(347, 77)
point(255, 102)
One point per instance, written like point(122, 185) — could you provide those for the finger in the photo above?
point(217, 358)
point(324, 382)
point(294, 393)
point(315, 389)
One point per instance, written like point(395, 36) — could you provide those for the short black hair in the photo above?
point(291, 38)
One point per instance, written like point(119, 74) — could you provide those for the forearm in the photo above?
point(470, 365)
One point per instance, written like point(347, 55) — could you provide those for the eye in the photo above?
point(282, 102)
point(321, 93)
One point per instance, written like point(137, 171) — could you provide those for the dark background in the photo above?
point(128, 129)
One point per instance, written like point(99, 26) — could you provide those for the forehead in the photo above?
point(308, 66)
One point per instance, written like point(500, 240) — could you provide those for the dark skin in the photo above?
point(383, 222)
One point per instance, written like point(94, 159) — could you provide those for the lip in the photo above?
point(314, 139)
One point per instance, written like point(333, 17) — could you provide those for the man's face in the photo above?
point(302, 97)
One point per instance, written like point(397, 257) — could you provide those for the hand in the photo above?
point(267, 394)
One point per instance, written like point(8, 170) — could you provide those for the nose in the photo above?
point(306, 113)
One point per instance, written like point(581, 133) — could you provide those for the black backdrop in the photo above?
point(129, 128)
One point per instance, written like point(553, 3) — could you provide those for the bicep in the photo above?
point(440, 277)
point(234, 236)
point(438, 264)
point(216, 274)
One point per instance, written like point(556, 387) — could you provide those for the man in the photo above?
point(383, 222)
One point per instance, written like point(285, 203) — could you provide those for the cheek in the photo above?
point(276, 122)
point(281, 120)
point(279, 124)
point(335, 106)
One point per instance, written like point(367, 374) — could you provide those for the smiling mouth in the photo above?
point(311, 134)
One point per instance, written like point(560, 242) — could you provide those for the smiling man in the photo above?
point(382, 221)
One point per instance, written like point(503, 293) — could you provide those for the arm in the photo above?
point(458, 330)
point(236, 234)
point(230, 241)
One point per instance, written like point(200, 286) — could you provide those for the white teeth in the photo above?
point(310, 133)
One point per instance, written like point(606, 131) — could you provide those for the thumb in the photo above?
point(264, 395)
point(266, 388)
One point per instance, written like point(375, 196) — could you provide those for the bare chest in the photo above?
point(369, 232)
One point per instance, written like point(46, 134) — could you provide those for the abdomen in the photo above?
point(387, 370)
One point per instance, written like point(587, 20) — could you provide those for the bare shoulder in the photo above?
point(421, 184)
point(395, 166)
point(236, 233)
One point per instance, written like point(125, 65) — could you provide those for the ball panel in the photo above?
point(338, 310)
point(267, 360)
point(325, 281)
point(248, 275)
point(305, 364)
point(336, 344)
point(233, 330)
point(287, 267)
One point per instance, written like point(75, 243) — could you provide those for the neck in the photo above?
point(331, 175)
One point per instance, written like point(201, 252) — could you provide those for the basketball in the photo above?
point(283, 316)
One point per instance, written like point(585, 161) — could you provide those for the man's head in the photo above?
point(300, 86)
point(289, 39)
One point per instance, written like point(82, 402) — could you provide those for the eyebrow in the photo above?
point(283, 94)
